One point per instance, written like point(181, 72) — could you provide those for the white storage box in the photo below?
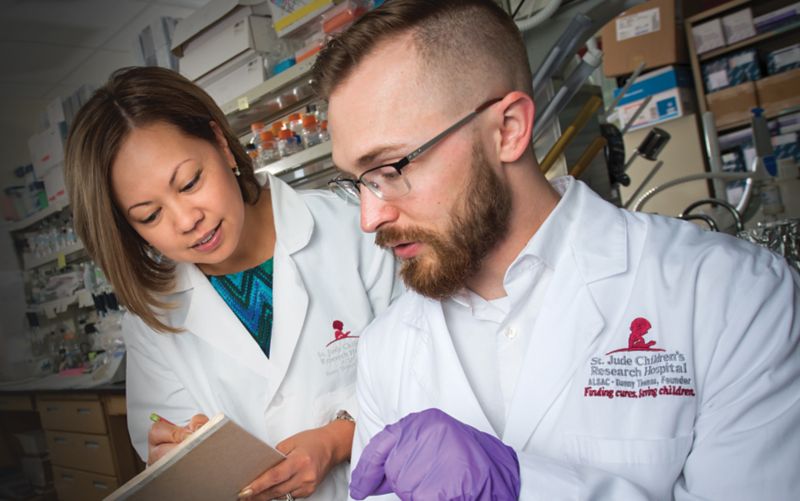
point(220, 31)
point(54, 185)
point(708, 36)
point(47, 148)
point(738, 26)
point(234, 78)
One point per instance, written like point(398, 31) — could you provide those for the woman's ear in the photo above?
point(517, 126)
point(222, 143)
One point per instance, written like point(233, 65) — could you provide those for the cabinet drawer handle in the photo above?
point(91, 445)
point(51, 408)
point(67, 477)
point(84, 410)
point(60, 440)
point(100, 485)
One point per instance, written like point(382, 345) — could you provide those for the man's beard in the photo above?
point(456, 255)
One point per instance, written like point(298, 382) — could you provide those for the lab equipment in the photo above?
point(591, 106)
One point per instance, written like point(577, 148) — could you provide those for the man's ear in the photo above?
point(517, 126)
point(222, 143)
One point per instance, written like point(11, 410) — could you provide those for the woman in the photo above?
point(166, 202)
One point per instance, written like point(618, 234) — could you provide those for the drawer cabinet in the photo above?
point(82, 451)
point(84, 416)
point(77, 485)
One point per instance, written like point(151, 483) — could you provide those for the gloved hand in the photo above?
point(429, 455)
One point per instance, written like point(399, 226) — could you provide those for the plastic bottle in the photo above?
point(767, 166)
point(323, 131)
point(311, 133)
point(252, 152)
point(296, 124)
point(255, 129)
point(287, 143)
point(267, 149)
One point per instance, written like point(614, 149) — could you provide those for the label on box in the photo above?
point(786, 57)
point(717, 80)
point(741, 59)
point(636, 25)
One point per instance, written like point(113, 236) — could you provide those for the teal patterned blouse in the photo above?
point(249, 294)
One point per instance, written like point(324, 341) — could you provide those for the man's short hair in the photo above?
point(460, 43)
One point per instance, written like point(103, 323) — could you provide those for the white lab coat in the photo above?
point(326, 269)
point(726, 312)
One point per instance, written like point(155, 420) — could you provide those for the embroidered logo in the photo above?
point(641, 370)
point(639, 327)
point(338, 332)
point(341, 357)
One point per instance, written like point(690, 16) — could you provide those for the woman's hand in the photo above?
point(164, 436)
point(310, 455)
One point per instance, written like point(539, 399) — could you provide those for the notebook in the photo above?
point(214, 463)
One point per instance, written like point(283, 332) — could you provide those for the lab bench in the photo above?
point(89, 453)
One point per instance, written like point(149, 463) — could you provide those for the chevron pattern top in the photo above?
point(249, 294)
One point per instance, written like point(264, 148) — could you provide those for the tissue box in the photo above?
point(743, 67)
point(715, 74)
point(708, 36)
point(783, 59)
point(738, 26)
point(289, 16)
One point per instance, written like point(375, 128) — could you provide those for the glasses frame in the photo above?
point(351, 186)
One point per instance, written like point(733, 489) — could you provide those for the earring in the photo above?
point(236, 171)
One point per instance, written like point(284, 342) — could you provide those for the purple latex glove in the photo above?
point(429, 455)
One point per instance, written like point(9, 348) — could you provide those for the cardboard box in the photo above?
point(779, 92)
point(220, 31)
point(743, 67)
point(708, 36)
point(715, 74)
point(732, 105)
point(234, 78)
point(671, 93)
point(651, 32)
point(47, 148)
point(783, 59)
point(297, 17)
point(738, 26)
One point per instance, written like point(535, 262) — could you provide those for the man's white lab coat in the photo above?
point(705, 404)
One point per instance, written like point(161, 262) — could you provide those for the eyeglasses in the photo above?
point(385, 181)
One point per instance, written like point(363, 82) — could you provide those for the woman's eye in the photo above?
point(191, 184)
point(151, 217)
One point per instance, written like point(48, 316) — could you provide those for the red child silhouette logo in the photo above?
point(338, 332)
point(639, 327)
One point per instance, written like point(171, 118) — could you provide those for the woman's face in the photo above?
point(179, 193)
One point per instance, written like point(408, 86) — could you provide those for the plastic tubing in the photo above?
point(694, 177)
point(541, 16)
point(563, 48)
point(591, 106)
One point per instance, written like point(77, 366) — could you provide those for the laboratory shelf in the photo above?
point(300, 159)
point(747, 42)
point(82, 297)
point(282, 94)
point(51, 209)
point(31, 262)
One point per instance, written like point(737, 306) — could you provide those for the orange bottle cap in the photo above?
point(285, 134)
point(294, 116)
point(309, 120)
point(256, 126)
point(266, 136)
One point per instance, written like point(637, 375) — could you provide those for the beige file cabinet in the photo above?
point(88, 442)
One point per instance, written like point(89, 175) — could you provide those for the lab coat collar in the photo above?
point(294, 226)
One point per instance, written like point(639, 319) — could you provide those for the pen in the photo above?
point(156, 418)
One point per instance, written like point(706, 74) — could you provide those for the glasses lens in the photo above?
point(346, 190)
point(386, 183)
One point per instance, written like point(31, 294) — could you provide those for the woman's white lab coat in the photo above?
point(326, 270)
point(724, 422)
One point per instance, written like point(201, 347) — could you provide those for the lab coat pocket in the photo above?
point(599, 450)
point(328, 404)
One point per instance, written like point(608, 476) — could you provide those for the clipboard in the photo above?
point(214, 463)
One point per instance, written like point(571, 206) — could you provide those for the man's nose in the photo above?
point(375, 212)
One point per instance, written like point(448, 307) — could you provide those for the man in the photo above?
point(552, 346)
